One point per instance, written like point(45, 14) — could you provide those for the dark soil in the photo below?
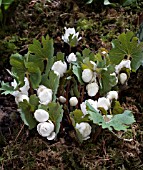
point(98, 25)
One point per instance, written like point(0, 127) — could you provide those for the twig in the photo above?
point(19, 133)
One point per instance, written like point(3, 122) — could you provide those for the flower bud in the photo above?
point(87, 75)
point(103, 102)
point(41, 115)
point(72, 57)
point(60, 67)
point(123, 77)
point(62, 99)
point(92, 89)
point(112, 95)
point(84, 129)
point(73, 101)
point(46, 129)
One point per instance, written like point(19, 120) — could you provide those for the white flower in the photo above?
point(41, 115)
point(46, 129)
point(112, 95)
point(19, 97)
point(68, 32)
point(103, 102)
point(23, 90)
point(122, 64)
point(91, 102)
point(123, 77)
point(60, 67)
point(87, 75)
point(72, 57)
point(44, 94)
point(26, 87)
point(92, 89)
point(62, 99)
point(84, 129)
point(73, 101)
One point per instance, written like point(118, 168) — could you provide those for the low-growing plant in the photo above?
point(79, 90)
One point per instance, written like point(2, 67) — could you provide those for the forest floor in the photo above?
point(21, 149)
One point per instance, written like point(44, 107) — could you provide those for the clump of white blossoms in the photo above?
point(123, 64)
point(72, 57)
point(44, 94)
point(46, 129)
point(73, 101)
point(123, 78)
point(70, 32)
point(84, 129)
point(59, 67)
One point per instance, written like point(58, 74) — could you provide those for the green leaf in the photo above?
point(18, 67)
point(35, 74)
point(78, 72)
point(107, 81)
point(94, 115)
point(34, 102)
point(60, 56)
point(51, 82)
point(128, 2)
point(117, 109)
point(26, 114)
point(42, 52)
point(120, 121)
point(87, 53)
point(6, 88)
point(56, 114)
point(127, 46)
point(78, 116)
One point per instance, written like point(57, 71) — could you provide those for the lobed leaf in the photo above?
point(56, 114)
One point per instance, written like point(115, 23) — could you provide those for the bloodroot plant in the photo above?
point(79, 90)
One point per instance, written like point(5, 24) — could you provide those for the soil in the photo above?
point(21, 148)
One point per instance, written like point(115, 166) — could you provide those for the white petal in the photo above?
point(51, 136)
point(41, 115)
point(60, 67)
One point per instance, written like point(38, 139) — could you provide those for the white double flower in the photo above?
point(46, 129)
point(44, 94)
point(84, 129)
point(59, 68)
